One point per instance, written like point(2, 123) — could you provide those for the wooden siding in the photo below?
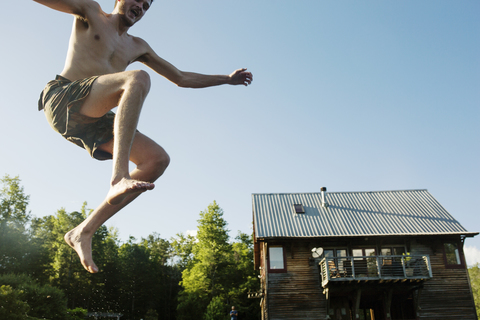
point(296, 294)
point(447, 295)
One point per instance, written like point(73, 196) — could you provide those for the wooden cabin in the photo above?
point(360, 255)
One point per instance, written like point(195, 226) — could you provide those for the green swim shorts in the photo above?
point(61, 100)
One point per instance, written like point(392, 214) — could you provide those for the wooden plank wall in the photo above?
point(298, 293)
point(447, 295)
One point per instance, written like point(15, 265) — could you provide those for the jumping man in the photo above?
point(78, 103)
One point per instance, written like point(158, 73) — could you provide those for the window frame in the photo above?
point(460, 265)
point(299, 208)
point(336, 258)
point(364, 254)
point(392, 248)
point(270, 270)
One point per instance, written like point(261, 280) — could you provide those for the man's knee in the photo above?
point(162, 160)
point(139, 80)
point(158, 163)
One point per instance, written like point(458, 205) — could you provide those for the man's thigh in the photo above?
point(105, 94)
point(143, 149)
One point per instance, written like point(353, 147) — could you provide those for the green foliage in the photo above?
point(190, 305)
point(19, 252)
point(64, 268)
point(216, 271)
point(11, 305)
point(13, 204)
point(140, 279)
point(206, 275)
point(76, 314)
point(216, 310)
point(133, 278)
point(182, 247)
point(246, 279)
point(474, 273)
point(151, 315)
point(45, 301)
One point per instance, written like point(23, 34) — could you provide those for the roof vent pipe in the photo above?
point(323, 191)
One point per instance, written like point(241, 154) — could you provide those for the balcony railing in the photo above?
point(388, 268)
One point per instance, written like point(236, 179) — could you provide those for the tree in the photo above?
point(64, 268)
point(164, 278)
point(43, 301)
point(76, 314)
point(209, 272)
point(246, 278)
point(147, 284)
point(136, 279)
point(12, 306)
point(19, 252)
point(216, 309)
point(217, 273)
point(182, 248)
point(474, 273)
point(13, 205)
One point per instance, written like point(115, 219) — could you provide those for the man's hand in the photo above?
point(240, 76)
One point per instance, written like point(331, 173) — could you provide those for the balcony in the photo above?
point(375, 268)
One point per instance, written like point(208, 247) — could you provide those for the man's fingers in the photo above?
point(242, 77)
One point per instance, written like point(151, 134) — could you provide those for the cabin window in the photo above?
point(365, 252)
point(276, 259)
point(452, 255)
point(365, 262)
point(392, 266)
point(335, 260)
point(330, 253)
point(393, 251)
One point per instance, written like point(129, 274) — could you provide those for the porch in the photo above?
point(382, 268)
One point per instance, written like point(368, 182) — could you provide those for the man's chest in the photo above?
point(106, 46)
point(118, 51)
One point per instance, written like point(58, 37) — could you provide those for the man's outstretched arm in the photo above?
point(76, 7)
point(191, 79)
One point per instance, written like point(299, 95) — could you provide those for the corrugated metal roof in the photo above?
point(405, 212)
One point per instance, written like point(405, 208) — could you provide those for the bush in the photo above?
point(11, 305)
point(151, 315)
point(76, 314)
point(45, 301)
point(216, 310)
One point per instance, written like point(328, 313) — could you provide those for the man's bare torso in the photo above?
point(97, 47)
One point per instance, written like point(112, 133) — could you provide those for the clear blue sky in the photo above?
point(354, 96)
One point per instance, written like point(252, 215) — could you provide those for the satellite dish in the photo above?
point(317, 252)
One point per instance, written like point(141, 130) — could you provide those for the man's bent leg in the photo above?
point(128, 90)
point(151, 161)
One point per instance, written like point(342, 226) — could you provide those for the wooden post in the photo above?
point(387, 302)
point(416, 300)
point(356, 303)
point(326, 291)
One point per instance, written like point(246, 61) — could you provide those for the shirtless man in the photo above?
point(78, 103)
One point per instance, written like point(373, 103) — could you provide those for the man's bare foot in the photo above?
point(124, 187)
point(83, 246)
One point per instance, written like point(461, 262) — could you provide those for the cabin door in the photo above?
point(340, 309)
point(371, 310)
point(402, 307)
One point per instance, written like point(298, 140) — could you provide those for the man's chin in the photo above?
point(128, 22)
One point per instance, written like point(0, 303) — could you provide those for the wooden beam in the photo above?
point(326, 291)
point(416, 299)
point(388, 303)
point(356, 303)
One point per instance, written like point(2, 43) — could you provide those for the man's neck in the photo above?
point(117, 21)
